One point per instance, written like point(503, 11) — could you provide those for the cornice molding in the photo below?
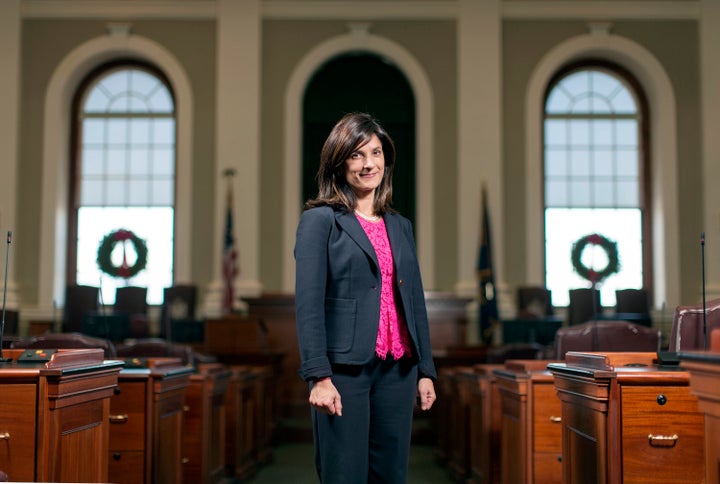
point(364, 10)
point(119, 9)
point(358, 9)
point(593, 10)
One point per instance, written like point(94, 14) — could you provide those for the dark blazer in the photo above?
point(337, 291)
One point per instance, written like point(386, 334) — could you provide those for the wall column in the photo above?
point(10, 26)
point(709, 20)
point(479, 131)
point(238, 121)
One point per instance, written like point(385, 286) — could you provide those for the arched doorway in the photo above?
point(361, 82)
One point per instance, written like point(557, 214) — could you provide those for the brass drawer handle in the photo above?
point(555, 419)
point(118, 418)
point(185, 460)
point(663, 440)
point(5, 436)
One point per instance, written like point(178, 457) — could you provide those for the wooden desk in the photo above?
point(240, 416)
point(484, 426)
point(204, 434)
point(704, 371)
point(146, 417)
point(462, 379)
point(55, 414)
point(627, 420)
point(531, 441)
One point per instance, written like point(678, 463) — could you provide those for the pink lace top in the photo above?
point(392, 335)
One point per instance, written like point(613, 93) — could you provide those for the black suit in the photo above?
point(337, 298)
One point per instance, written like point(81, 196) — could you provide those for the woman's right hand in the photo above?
point(325, 397)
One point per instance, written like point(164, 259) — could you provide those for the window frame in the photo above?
point(76, 123)
point(644, 177)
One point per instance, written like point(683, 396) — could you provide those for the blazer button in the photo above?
point(400, 282)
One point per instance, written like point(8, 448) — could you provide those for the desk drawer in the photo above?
point(547, 468)
point(547, 424)
point(662, 435)
point(126, 467)
point(127, 417)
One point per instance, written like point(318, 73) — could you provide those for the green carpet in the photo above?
point(293, 463)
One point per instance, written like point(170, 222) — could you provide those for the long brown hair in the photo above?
point(350, 133)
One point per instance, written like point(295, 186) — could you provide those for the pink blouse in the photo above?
point(392, 335)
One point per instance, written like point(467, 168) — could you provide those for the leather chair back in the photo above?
point(606, 335)
point(178, 304)
point(65, 341)
point(534, 302)
point(156, 347)
point(11, 322)
point(582, 308)
point(632, 301)
point(131, 300)
point(79, 301)
point(687, 327)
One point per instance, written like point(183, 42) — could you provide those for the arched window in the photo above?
point(595, 172)
point(123, 176)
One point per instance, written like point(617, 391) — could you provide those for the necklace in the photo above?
point(374, 218)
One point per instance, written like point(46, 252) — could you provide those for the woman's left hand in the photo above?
point(426, 393)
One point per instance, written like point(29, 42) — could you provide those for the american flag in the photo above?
point(230, 267)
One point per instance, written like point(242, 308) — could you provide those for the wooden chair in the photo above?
point(584, 305)
point(534, 302)
point(687, 327)
point(606, 335)
point(79, 301)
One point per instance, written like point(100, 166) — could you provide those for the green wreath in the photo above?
point(611, 250)
point(124, 270)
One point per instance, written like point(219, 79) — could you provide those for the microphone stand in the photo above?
point(2, 322)
point(704, 310)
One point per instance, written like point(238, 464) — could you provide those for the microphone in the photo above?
point(2, 322)
point(704, 309)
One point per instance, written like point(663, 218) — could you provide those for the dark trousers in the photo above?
point(370, 443)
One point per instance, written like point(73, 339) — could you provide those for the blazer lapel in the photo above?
point(352, 227)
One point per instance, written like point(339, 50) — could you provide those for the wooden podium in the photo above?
point(626, 419)
point(530, 423)
point(54, 415)
point(704, 371)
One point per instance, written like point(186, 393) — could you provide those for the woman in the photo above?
point(360, 307)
